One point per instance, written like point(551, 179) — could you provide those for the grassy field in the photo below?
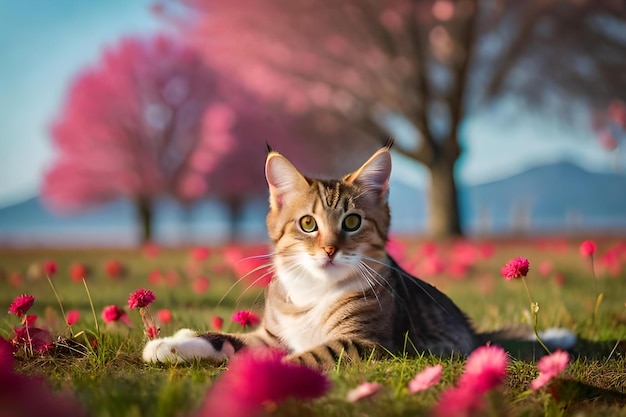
point(111, 380)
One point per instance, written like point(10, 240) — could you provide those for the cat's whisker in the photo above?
point(232, 287)
point(367, 275)
point(253, 283)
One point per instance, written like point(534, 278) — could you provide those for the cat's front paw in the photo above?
point(185, 346)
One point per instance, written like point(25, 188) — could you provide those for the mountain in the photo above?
point(557, 198)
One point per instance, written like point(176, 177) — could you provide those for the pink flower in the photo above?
point(21, 304)
point(200, 285)
point(485, 368)
point(78, 272)
point(152, 332)
point(365, 390)
point(30, 320)
point(39, 340)
point(257, 378)
point(50, 268)
point(588, 248)
point(114, 313)
point(429, 377)
point(140, 298)
point(458, 401)
point(217, 323)
point(246, 318)
point(114, 269)
point(72, 317)
point(549, 367)
point(164, 315)
point(515, 268)
point(199, 253)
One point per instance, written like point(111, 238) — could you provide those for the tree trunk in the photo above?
point(235, 209)
point(144, 216)
point(443, 205)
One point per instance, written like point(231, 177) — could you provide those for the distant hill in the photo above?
point(554, 198)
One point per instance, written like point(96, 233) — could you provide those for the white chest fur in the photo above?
point(305, 331)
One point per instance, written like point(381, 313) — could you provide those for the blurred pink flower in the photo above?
point(78, 271)
point(21, 304)
point(549, 367)
point(246, 318)
point(365, 390)
point(164, 315)
point(155, 277)
point(200, 285)
point(460, 401)
point(545, 268)
point(587, 248)
point(114, 269)
point(72, 317)
point(199, 253)
point(485, 368)
point(217, 323)
point(50, 268)
point(257, 378)
point(141, 298)
point(429, 377)
point(114, 313)
point(515, 268)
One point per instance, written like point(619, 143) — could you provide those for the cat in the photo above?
point(336, 293)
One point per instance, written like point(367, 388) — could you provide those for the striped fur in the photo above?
point(336, 295)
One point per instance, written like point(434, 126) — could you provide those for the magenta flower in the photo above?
point(485, 368)
point(21, 304)
point(114, 269)
point(429, 377)
point(460, 401)
point(515, 268)
point(587, 248)
point(50, 268)
point(549, 367)
point(246, 318)
point(114, 313)
point(141, 298)
point(72, 317)
point(365, 390)
point(152, 332)
point(257, 378)
point(39, 340)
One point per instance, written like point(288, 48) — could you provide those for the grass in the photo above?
point(111, 380)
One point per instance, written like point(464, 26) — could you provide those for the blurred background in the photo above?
point(127, 122)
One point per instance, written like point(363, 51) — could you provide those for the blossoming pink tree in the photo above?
point(130, 127)
point(428, 63)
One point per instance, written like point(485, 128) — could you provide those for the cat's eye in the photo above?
point(308, 224)
point(351, 223)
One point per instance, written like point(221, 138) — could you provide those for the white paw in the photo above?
point(184, 346)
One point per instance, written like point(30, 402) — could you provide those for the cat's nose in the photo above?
point(330, 251)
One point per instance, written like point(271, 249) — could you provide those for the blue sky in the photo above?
point(46, 43)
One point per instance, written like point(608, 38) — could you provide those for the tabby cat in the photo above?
point(336, 293)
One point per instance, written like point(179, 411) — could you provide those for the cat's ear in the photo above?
point(284, 180)
point(374, 173)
